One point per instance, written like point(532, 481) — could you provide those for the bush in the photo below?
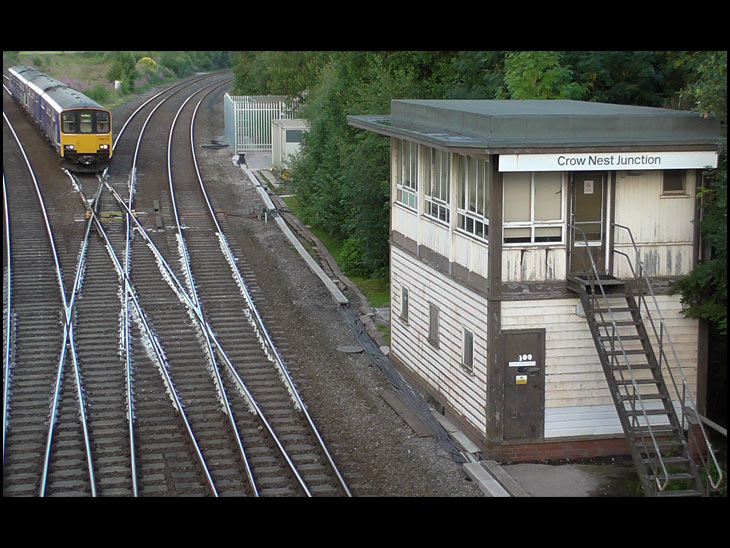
point(99, 93)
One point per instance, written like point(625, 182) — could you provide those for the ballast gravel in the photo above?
point(374, 448)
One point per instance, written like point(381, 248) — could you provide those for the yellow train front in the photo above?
point(85, 138)
point(78, 128)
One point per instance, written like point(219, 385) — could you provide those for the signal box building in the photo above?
point(522, 237)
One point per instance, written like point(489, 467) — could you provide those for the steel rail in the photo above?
point(180, 290)
point(252, 307)
point(68, 305)
point(199, 307)
point(9, 314)
point(162, 362)
point(128, 291)
point(129, 369)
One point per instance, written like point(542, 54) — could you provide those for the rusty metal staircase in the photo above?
point(662, 427)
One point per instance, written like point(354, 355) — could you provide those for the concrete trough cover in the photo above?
point(350, 349)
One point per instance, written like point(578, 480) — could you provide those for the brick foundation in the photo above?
point(558, 450)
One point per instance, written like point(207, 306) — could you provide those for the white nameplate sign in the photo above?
point(608, 161)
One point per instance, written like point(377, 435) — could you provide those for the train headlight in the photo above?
point(103, 147)
point(68, 147)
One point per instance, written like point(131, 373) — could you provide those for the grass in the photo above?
point(84, 71)
point(377, 290)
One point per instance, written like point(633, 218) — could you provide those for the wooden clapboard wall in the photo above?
point(577, 400)
point(440, 368)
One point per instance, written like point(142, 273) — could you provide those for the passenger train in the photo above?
point(79, 128)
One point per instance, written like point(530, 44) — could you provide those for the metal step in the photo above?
point(680, 493)
point(647, 441)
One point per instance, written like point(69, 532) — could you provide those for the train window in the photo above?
point(69, 122)
point(86, 126)
point(102, 122)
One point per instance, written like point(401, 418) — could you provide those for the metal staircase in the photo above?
point(668, 444)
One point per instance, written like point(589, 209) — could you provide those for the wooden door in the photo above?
point(524, 384)
point(587, 217)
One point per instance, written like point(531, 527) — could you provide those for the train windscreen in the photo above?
point(85, 121)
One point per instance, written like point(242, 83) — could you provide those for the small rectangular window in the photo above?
point(407, 173)
point(433, 325)
point(436, 185)
point(404, 304)
point(294, 135)
point(468, 355)
point(674, 183)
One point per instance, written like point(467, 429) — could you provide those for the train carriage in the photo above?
point(79, 128)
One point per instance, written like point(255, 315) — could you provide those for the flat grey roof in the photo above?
point(515, 124)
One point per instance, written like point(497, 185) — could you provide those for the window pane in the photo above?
point(85, 125)
point(462, 182)
point(468, 348)
point(516, 197)
point(472, 178)
point(406, 162)
point(69, 122)
point(483, 192)
point(428, 179)
point(404, 304)
point(548, 234)
point(592, 232)
point(548, 196)
point(433, 325)
point(517, 235)
point(445, 176)
point(413, 165)
point(294, 135)
point(673, 181)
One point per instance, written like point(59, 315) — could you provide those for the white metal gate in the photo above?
point(248, 118)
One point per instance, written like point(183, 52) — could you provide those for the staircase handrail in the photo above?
point(592, 277)
point(686, 400)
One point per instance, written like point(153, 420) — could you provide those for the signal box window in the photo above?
point(674, 183)
point(468, 354)
point(433, 325)
point(533, 206)
point(404, 304)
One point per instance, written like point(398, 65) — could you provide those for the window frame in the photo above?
point(433, 325)
point(404, 300)
point(407, 174)
point(437, 175)
point(681, 193)
point(532, 224)
point(468, 365)
point(468, 219)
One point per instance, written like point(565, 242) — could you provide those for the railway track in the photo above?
point(168, 381)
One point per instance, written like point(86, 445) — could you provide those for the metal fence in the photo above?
point(248, 118)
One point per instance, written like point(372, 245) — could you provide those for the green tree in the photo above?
point(122, 67)
point(623, 77)
point(704, 292)
point(539, 75)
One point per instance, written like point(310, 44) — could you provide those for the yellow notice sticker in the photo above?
point(521, 379)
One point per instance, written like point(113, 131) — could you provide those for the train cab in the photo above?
point(85, 136)
point(78, 128)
